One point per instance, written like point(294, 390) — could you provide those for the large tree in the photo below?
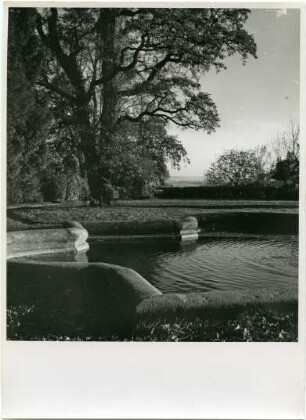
point(116, 65)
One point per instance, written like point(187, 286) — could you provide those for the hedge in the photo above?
point(250, 223)
point(230, 193)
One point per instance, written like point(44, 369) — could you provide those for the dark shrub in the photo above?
point(23, 186)
point(63, 187)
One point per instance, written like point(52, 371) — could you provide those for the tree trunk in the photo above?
point(95, 154)
point(88, 154)
point(108, 115)
point(96, 150)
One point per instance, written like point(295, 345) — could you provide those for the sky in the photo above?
point(256, 101)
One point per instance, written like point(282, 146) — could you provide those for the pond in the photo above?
point(209, 264)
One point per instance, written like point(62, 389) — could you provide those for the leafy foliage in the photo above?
point(259, 166)
point(238, 168)
point(28, 117)
point(251, 325)
point(142, 153)
point(287, 149)
point(109, 82)
point(110, 67)
point(287, 170)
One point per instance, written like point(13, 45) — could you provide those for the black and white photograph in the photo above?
point(152, 174)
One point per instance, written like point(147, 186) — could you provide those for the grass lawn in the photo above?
point(38, 217)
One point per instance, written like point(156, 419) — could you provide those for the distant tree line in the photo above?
point(92, 93)
point(262, 166)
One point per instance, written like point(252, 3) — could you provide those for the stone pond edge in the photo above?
point(148, 301)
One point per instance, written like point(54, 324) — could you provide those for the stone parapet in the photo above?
point(216, 303)
point(70, 297)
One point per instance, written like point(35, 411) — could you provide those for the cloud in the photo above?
point(281, 12)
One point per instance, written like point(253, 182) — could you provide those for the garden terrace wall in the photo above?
point(212, 221)
point(230, 193)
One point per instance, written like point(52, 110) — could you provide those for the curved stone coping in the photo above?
point(123, 284)
point(214, 303)
point(112, 298)
point(44, 241)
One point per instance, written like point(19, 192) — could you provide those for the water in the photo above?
point(209, 264)
point(55, 303)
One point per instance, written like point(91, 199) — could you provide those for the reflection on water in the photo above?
point(210, 264)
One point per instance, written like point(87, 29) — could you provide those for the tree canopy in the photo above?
point(111, 68)
point(287, 170)
point(287, 151)
point(278, 161)
point(28, 116)
point(238, 168)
